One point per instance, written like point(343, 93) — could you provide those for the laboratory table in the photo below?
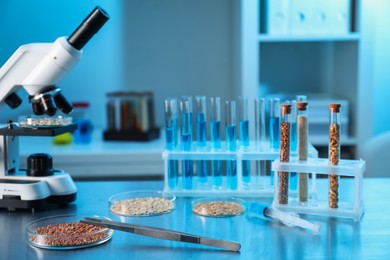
point(338, 239)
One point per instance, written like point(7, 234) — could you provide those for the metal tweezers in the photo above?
point(163, 234)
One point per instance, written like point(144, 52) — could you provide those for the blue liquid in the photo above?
point(231, 138)
point(201, 130)
point(294, 137)
point(293, 182)
point(187, 165)
point(216, 170)
point(231, 174)
point(293, 146)
point(244, 132)
point(173, 173)
point(274, 129)
point(244, 140)
point(202, 172)
point(216, 166)
point(170, 144)
point(215, 134)
point(231, 166)
point(201, 142)
point(83, 133)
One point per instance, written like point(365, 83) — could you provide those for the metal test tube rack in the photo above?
point(316, 206)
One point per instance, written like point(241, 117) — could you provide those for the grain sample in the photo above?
point(218, 209)
point(302, 151)
point(142, 206)
point(334, 153)
point(68, 234)
point(284, 153)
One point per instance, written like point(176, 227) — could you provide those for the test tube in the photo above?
point(285, 128)
point(274, 116)
point(244, 137)
point(215, 140)
point(186, 140)
point(302, 151)
point(334, 153)
point(301, 98)
point(171, 138)
point(293, 142)
point(230, 126)
point(201, 136)
point(260, 136)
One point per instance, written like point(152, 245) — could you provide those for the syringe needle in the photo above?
point(289, 219)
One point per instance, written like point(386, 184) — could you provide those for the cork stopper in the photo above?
point(286, 109)
point(335, 108)
point(302, 105)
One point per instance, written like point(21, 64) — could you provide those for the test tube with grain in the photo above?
point(334, 153)
point(302, 151)
point(285, 128)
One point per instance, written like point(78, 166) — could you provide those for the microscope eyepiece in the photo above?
point(86, 30)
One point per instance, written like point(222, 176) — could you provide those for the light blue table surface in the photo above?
point(339, 238)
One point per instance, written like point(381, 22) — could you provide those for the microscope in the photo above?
point(38, 68)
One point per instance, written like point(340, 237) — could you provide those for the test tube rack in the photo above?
point(256, 188)
point(352, 170)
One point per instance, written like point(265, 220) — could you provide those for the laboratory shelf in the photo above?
point(309, 38)
point(350, 173)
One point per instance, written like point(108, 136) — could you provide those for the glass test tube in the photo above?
point(293, 143)
point(215, 140)
point(186, 140)
point(303, 136)
point(301, 98)
point(260, 136)
point(244, 137)
point(274, 116)
point(334, 153)
point(171, 138)
point(201, 141)
point(230, 126)
point(285, 128)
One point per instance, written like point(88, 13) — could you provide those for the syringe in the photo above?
point(256, 209)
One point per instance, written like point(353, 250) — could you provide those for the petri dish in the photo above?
point(218, 207)
point(142, 203)
point(65, 232)
point(44, 121)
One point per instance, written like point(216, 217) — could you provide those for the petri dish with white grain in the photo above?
point(142, 203)
point(218, 207)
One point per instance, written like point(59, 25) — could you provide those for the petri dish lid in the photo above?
point(218, 207)
point(142, 203)
point(65, 232)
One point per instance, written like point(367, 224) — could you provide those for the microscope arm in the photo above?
point(35, 67)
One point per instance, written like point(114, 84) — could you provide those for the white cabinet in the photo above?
point(274, 58)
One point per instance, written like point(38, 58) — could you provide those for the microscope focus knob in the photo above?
point(40, 164)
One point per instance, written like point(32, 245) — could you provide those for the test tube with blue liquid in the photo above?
point(260, 136)
point(215, 140)
point(274, 123)
point(201, 138)
point(230, 127)
point(186, 140)
point(294, 142)
point(171, 138)
point(244, 138)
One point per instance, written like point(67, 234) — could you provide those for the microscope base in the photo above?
point(24, 192)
